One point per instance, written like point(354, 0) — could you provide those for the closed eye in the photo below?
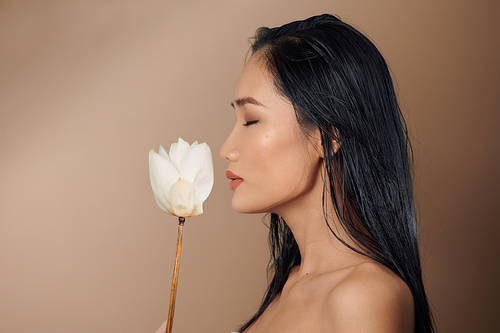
point(251, 122)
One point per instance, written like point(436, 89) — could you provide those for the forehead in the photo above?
point(254, 79)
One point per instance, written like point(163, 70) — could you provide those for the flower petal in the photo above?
point(177, 151)
point(181, 197)
point(204, 179)
point(194, 160)
point(162, 174)
point(165, 206)
point(162, 152)
point(198, 209)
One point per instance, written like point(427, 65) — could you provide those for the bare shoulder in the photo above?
point(371, 298)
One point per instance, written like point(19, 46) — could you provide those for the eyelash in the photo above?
point(251, 122)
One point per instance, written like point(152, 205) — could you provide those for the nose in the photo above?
point(228, 151)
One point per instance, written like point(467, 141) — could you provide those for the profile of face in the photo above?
point(272, 164)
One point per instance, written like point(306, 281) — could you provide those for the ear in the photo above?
point(315, 139)
point(336, 146)
point(336, 142)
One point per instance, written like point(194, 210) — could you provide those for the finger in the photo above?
point(162, 328)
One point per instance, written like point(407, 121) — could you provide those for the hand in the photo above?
point(162, 328)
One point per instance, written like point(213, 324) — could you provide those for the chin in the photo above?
point(241, 208)
point(247, 206)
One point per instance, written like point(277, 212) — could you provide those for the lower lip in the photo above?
point(235, 183)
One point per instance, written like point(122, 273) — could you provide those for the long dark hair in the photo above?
point(339, 82)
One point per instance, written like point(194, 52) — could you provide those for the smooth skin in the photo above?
point(334, 289)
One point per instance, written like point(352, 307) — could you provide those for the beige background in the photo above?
point(87, 88)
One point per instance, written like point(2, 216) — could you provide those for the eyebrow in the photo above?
point(246, 100)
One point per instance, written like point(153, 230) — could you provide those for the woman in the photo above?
point(320, 143)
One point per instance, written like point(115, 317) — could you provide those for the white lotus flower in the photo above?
point(183, 178)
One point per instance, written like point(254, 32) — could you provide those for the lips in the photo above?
point(235, 179)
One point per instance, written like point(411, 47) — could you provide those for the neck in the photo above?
point(320, 250)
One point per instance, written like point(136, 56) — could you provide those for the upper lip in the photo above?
point(232, 175)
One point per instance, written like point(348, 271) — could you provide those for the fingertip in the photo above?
point(162, 328)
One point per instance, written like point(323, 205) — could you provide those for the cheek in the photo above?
point(260, 149)
point(268, 154)
point(262, 160)
point(279, 162)
point(276, 166)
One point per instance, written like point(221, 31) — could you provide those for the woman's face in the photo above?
point(278, 167)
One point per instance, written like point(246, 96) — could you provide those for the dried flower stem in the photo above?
point(175, 277)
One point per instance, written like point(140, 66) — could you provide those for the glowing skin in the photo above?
point(274, 168)
point(278, 166)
